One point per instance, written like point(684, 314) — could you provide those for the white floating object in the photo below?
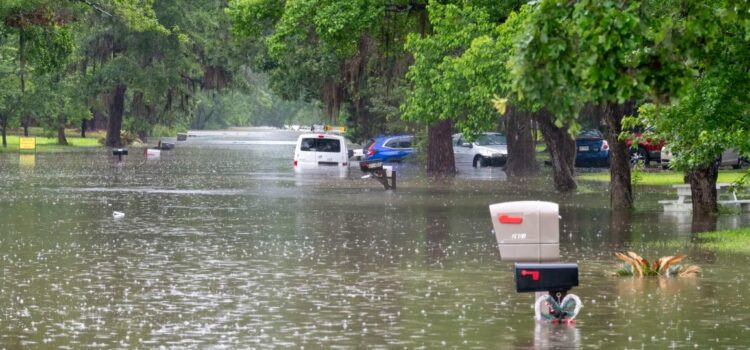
point(118, 214)
point(152, 153)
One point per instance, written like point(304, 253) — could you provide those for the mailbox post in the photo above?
point(529, 232)
point(383, 174)
point(119, 152)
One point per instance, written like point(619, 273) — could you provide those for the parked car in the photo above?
point(489, 149)
point(393, 148)
point(321, 151)
point(729, 157)
point(591, 149)
point(647, 150)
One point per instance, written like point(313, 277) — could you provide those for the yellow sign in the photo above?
point(27, 143)
point(339, 129)
point(27, 160)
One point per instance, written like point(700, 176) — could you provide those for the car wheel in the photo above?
point(638, 155)
point(478, 162)
point(644, 156)
point(634, 157)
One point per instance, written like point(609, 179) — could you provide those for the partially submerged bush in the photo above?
point(126, 137)
point(666, 266)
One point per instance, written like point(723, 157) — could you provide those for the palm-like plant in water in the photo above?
point(667, 266)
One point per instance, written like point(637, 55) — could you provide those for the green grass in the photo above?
point(541, 153)
point(735, 241)
point(49, 144)
point(665, 178)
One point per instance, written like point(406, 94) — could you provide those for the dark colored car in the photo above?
point(392, 148)
point(592, 149)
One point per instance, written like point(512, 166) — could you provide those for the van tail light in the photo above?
point(295, 162)
point(371, 150)
point(605, 145)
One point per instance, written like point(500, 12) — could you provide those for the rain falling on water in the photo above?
point(223, 245)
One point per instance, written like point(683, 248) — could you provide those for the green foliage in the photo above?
point(348, 55)
point(254, 108)
point(306, 42)
point(604, 52)
point(459, 67)
point(139, 15)
point(48, 48)
point(160, 130)
point(10, 93)
point(711, 112)
point(636, 173)
point(252, 17)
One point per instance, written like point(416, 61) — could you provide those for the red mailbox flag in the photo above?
point(505, 219)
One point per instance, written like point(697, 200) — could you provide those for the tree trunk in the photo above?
point(440, 160)
point(703, 223)
point(703, 189)
point(99, 121)
point(138, 111)
point(83, 128)
point(333, 94)
point(620, 189)
point(22, 77)
point(562, 151)
point(61, 139)
point(3, 130)
point(116, 110)
point(521, 152)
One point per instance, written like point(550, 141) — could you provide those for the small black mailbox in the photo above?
point(546, 277)
point(119, 152)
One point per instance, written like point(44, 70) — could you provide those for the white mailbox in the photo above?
point(527, 231)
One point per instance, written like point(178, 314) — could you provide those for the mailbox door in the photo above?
point(526, 222)
point(545, 277)
point(516, 222)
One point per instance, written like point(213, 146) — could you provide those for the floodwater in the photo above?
point(222, 246)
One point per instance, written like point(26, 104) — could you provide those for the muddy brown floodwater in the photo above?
point(223, 246)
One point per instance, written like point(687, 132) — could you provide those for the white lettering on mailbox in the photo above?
point(518, 236)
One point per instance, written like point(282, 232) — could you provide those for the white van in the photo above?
point(316, 151)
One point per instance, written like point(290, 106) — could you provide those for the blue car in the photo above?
point(592, 149)
point(392, 148)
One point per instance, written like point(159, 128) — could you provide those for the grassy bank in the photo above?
point(49, 144)
point(735, 241)
point(664, 178)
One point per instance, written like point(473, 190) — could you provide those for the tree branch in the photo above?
point(96, 7)
point(406, 8)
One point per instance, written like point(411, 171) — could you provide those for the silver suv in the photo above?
point(488, 149)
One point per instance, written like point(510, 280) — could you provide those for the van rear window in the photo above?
point(321, 145)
